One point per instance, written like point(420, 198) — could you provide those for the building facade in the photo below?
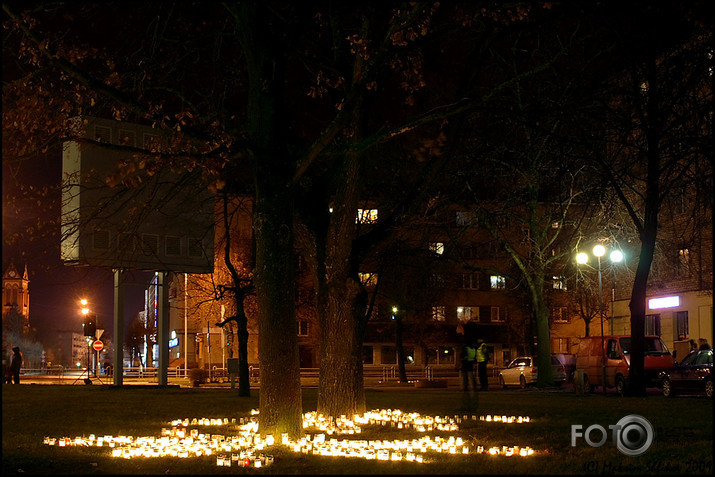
point(16, 291)
point(452, 285)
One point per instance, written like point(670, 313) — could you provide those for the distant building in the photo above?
point(16, 291)
point(80, 348)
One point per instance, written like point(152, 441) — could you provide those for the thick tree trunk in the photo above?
point(341, 376)
point(341, 389)
point(637, 305)
point(543, 332)
point(280, 393)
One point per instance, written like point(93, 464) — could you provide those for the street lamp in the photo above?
point(582, 258)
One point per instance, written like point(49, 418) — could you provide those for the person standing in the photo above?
point(469, 356)
point(693, 346)
point(16, 364)
point(482, 360)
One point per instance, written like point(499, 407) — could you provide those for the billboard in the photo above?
point(162, 221)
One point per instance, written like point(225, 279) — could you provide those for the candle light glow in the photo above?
point(244, 448)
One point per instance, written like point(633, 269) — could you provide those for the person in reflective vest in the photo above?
point(469, 355)
point(482, 360)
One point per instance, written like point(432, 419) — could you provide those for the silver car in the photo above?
point(522, 371)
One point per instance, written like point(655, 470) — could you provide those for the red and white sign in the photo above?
point(98, 345)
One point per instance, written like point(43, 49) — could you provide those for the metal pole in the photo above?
point(208, 345)
point(186, 325)
point(89, 354)
point(163, 339)
point(603, 344)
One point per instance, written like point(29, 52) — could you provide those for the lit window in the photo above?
point(368, 279)
point(497, 282)
point(366, 216)
point(559, 283)
point(467, 313)
point(437, 247)
point(681, 325)
point(683, 261)
point(437, 313)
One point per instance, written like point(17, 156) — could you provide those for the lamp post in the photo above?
point(85, 311)
point(582, 258)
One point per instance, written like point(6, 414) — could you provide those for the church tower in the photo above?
point(16, 291)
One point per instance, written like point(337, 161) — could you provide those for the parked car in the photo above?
point(616, 349)
point(523, 371)
point(692, 375)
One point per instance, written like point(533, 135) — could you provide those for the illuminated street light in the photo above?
point(582, 258)
point(84, 308)
point(616, 256)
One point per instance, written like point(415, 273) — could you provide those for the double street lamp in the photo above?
point(582, 258)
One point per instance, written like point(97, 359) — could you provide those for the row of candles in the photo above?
point(245, 448)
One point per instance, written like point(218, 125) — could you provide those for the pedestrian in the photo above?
point(16, 364)
point(482, 360)
point(693, 346)
point(703, 343)
point(469, 356)
point(8, 372)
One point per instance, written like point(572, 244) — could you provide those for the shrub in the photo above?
point(197, 376)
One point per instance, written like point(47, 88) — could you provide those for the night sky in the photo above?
point(55, 289)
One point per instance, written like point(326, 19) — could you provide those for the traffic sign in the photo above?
point(98, 345)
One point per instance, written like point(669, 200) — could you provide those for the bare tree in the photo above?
point(657, 134)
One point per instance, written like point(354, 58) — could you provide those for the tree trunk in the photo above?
point(244, 378)
point(543, 333)
point(341, 390)
point(545, 376)
point(637, 305)
point(648, 233)
point(342, 325)
point(280, 393)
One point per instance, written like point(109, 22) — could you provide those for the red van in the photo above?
point(618, 360)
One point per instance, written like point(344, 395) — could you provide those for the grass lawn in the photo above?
point(682, 441)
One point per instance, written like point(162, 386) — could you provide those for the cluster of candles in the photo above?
point(399, 419)
point(245, 448)
point(505, 419)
